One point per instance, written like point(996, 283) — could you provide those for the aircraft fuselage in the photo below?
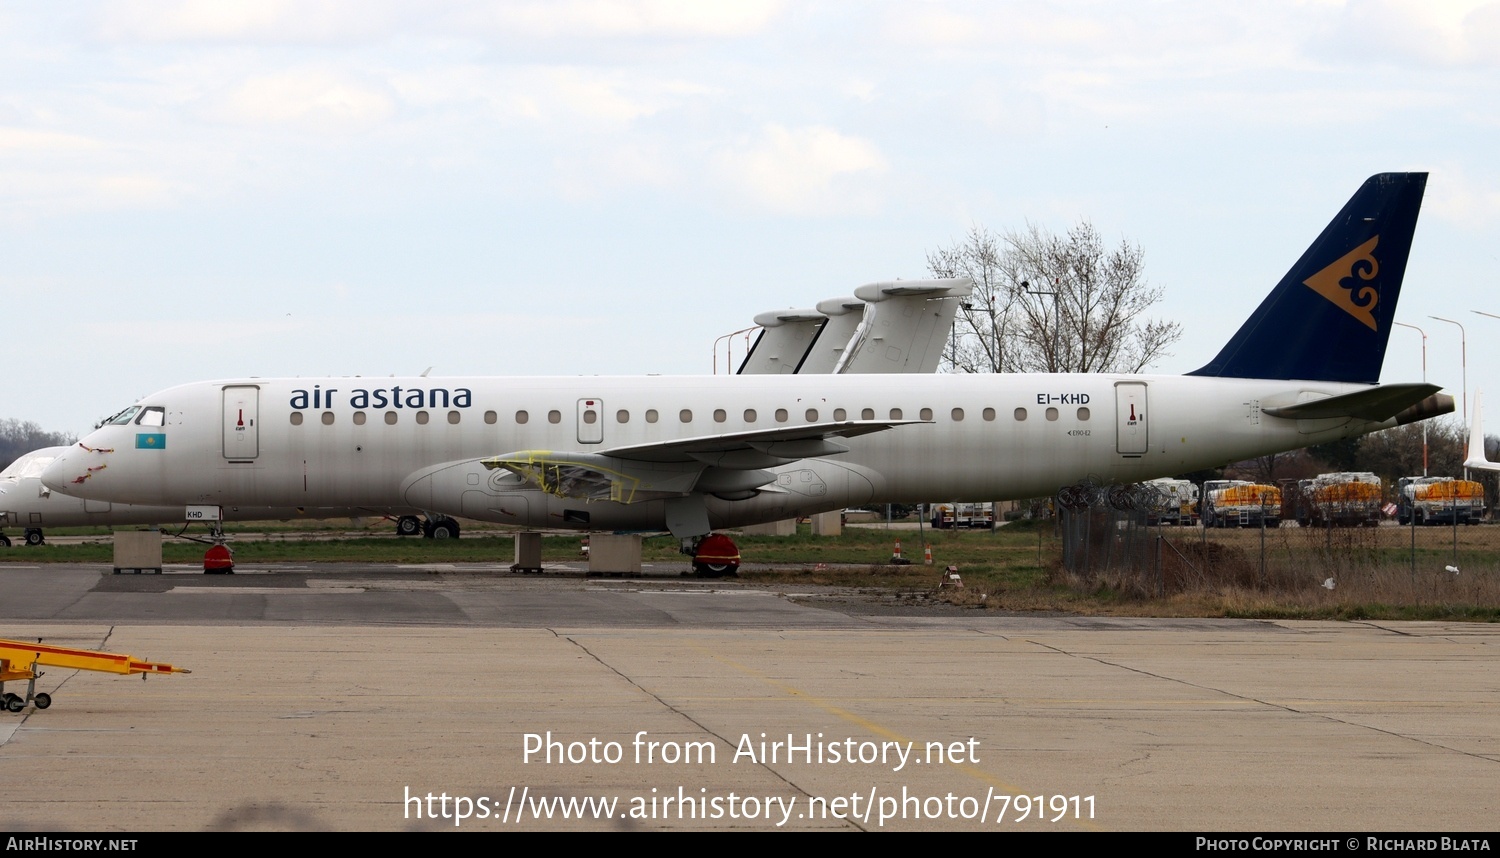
point(421, 442)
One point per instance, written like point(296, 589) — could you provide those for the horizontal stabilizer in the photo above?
point(1376, 404)
point(952, 287)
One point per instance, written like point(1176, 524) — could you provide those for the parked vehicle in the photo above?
point(1348, 499)
point(945, 515)
point(1176, 502)
point(1240, 503)
point(1439, 500)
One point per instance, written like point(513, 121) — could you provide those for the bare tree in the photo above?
point(1050, 303)
point(19, 437)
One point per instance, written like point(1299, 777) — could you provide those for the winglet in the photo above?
point(1330, 316)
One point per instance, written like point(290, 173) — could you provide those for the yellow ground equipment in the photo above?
point(1240, 503)
point(19, 660)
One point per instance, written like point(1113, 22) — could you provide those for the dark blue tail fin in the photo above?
point(1330, 316)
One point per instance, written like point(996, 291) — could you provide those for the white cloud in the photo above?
point(311, 99)
point(658, 18)
point(1470, 202)
point(244, 21)
point(1429, 32)
point(812, 170)
point(15, 140)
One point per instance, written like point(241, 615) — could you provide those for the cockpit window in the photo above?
point(123, 418)
point(152, 416)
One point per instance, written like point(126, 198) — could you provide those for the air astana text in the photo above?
point(389, 397)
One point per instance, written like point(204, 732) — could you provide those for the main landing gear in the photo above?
point(434, 527)
point(714, 556)
point(33, 537)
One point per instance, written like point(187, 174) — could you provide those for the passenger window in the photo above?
point(651, 415)
point(840, 414)
point(1083, 413)
point(590, 417)
point(958, 415)
point(622, 416)
point(521, 418)
point(1020, 414)
point(390, 418)
point(812, 415)
point(895, 414)
point(867, 414)
point(720, 416)
point(422, 418)
point(925, 414)
point(989, 415)
point(1051, 413)
point(554, 417)
point(359, 418)
point(685, 415)
point(453, 417)
point(296, 418)
point(749, 415)
point(491, 417)
point(327, 418)
point(781, 415)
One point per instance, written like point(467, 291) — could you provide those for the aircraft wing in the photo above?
point(1375, 404)
point(733, 462)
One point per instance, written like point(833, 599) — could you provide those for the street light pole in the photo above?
point(1463, 344)
point(1424, 381)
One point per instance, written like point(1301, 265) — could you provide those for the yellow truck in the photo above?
point(1240, 503)
point(1346, 499)
point(1439, 500)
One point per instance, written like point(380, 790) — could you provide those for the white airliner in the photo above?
point(28, 504)
point(691, 454)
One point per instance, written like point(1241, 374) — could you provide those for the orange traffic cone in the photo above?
point(927, 555)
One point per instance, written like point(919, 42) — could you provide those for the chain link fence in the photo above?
point(1114, 536)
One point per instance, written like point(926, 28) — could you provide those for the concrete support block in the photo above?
point(786, 527)
point(828, 523)
point(528, 552)
point(614, 553)
point(137, 551)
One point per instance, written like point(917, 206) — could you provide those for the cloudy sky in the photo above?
point(194, 190)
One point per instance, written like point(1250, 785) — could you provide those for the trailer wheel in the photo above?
point(42, 700)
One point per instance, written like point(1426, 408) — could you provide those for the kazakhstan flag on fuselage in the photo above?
point(150, 441)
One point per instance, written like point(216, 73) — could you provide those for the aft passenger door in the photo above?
point(241, 412)
point(1130, 419)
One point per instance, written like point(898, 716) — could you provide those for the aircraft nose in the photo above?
point(66, 473)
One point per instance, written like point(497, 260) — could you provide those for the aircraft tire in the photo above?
point(42, 701)
point(444, 530)
point(34, 537)
point(408, 525)
point(4, 541)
